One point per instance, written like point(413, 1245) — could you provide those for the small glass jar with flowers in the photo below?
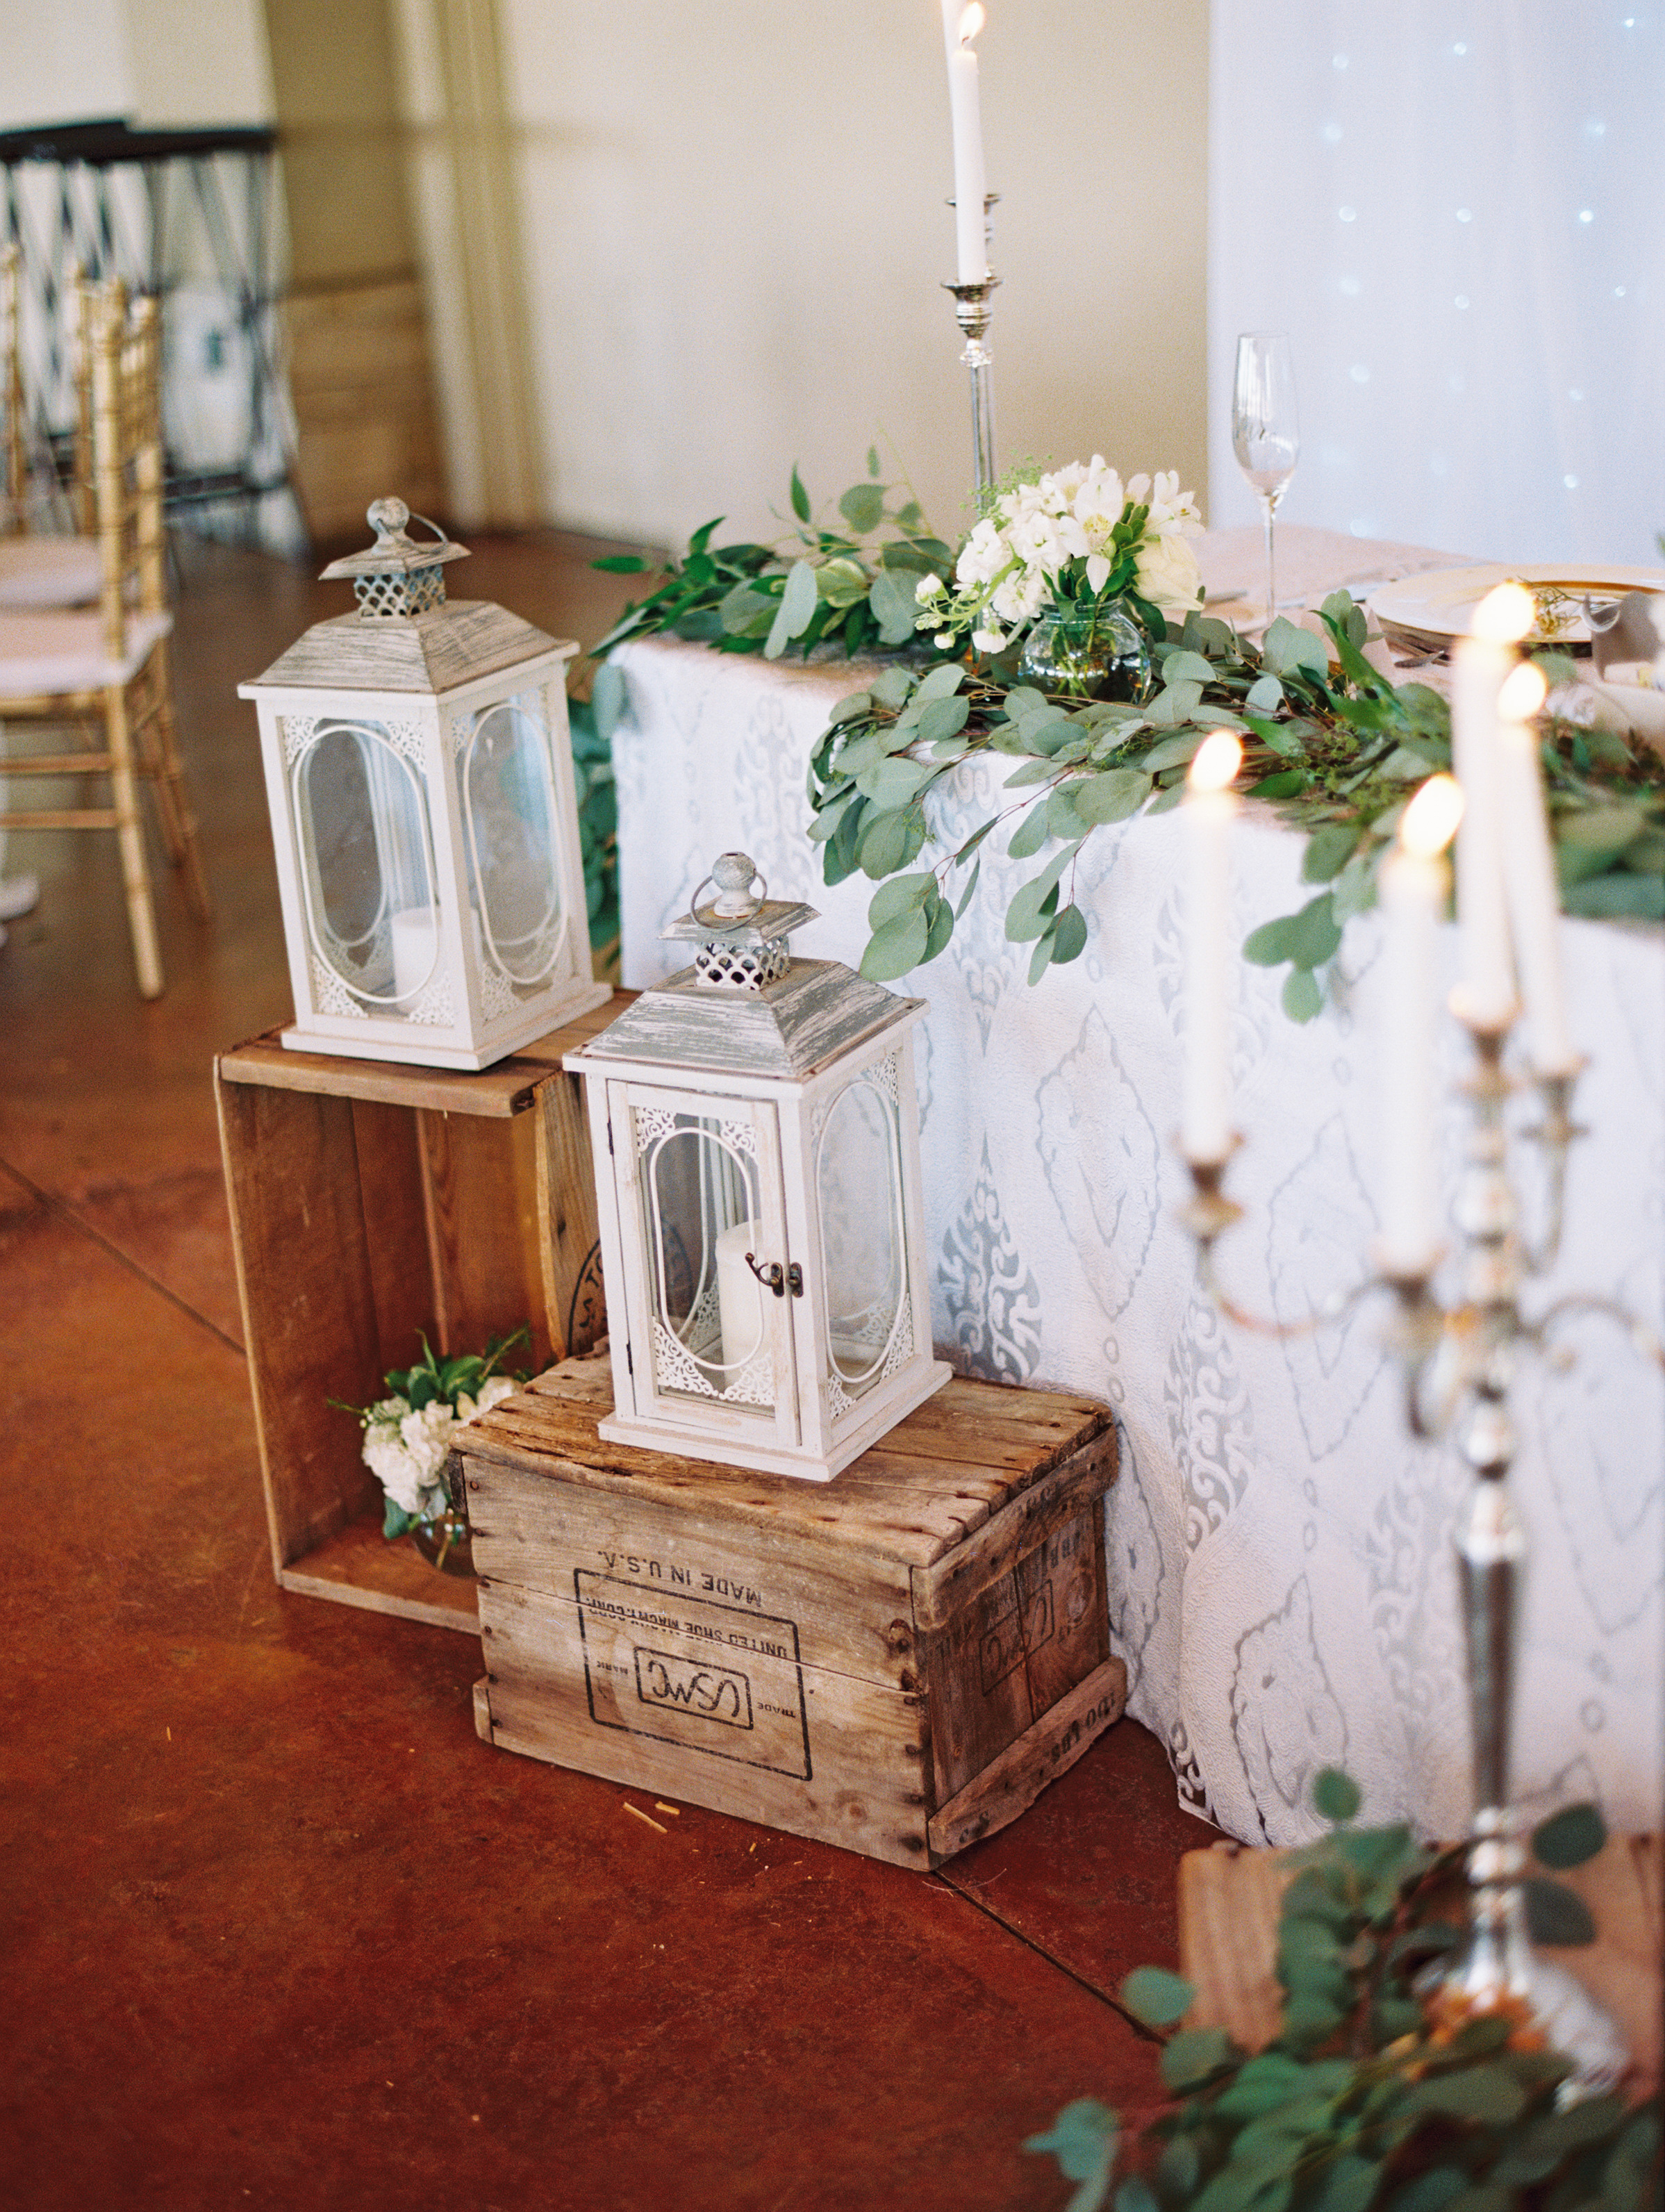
point(1078, 570)
point(409, 1436)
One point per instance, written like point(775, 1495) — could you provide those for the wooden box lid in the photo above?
point(964, 1456)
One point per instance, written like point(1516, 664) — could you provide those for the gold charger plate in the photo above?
point(1440, 603)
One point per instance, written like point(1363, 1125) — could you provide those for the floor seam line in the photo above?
point(1051, 1958)
point(63, 1211)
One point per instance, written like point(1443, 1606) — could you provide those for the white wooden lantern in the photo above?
point(419, 772)
point(756, 1136)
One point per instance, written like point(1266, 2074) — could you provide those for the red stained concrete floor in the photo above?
point(278, 1930)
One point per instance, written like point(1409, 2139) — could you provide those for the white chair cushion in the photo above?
point(54, 653)
point(48, 572)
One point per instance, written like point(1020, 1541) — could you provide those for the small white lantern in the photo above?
point(419, 773)
point(755, 1137)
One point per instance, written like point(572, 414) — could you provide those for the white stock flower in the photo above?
point(987, 640)
point(392, 1467)
point(492, 1391)
point(982, 556)
point(1167, 575)
point(929, 587)
point(427, 1435)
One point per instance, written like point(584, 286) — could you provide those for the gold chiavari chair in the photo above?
point(104, 671)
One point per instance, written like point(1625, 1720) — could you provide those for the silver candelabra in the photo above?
point(1459, 1361)
point(973, 310)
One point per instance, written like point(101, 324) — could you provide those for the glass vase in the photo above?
point(1091, 649)
point(444, 1543)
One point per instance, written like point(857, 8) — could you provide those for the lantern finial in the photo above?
point(399, 577)
point(742, 932)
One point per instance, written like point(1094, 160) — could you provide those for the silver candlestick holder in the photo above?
point(1459, 1361)
point(973, 310)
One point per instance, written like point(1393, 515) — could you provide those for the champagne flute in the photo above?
point(1266, 435)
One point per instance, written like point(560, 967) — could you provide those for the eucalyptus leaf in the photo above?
point(1328, 850)
point(1062, 820)
point(1288, 648)
point(884, 846)
point(829, 817)
point(1556, 1914)
point(943, 718)
point(1600, 829)
point(970, 886)
point(893, 781)
point(941, 682)
point(800, 498)
point(1083, 2139)
point(1569, 1837)
point(1354, 890)
point(848, 709)
point(840, 582)
point(1196, 2054)
point(895, 609)
point(1175, 704)
point(863, 508)
point(798, 603)
point(1184, 663)
point(940, 920)
point(1041, 958)
point(1172, 752)
point(1030, 834)
point(1335, 1795)
point(1156, 1998)
point(1112, 796)
point(1029, 915)
point(891, 686)
point(899, 896)
point(897, 948)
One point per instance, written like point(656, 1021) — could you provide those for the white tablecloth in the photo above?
point(1283, 1590)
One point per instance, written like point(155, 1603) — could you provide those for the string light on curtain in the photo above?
point(1451, 211)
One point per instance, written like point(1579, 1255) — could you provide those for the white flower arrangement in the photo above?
point(409, 1434)
point(1076, 536)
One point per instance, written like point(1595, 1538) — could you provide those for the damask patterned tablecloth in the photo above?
point(1283, 1586)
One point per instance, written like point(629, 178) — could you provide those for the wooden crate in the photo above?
point(898, 1661)
point(368, 1202)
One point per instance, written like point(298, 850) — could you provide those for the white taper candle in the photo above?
point(1535, 902)
point(961, 22)
point(1480, 663)
point(1413, 881)
point(1206, 1106)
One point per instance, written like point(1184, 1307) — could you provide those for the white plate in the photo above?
point(1441, 602)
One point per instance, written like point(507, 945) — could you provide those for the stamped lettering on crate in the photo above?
point(682, 1669)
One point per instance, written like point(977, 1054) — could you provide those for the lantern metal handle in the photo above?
point(776, 1279)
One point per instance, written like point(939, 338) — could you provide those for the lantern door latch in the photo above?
point(777, 1278)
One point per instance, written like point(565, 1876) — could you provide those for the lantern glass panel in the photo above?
point(506, 788)
point(858, 1171)
point(367, 859)
point(703, 1213)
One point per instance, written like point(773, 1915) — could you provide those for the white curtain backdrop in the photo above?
point(1455, 210)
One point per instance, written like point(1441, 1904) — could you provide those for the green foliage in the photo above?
point(432, 1380)
point(593, 721)
point(852, 584)
point(1335, 746)
point(1371, 2095)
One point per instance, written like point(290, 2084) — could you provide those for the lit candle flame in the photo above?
point(1504, 614)
point(1218, 759)
point(1523, 691)
point(972, 20)
point(1430, 821)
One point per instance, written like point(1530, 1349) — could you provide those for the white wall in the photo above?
point(735, 235)
point(159, 62)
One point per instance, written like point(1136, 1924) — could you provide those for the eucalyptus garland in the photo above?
point(1333, 744)
point(1377, 2090)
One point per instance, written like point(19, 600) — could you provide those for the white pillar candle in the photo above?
point(416, 937)
point(1534, 896)
point(1413, 881)
point(741, 1318)
point(960, 25)
point(1205, 1108)
point(1480, 663)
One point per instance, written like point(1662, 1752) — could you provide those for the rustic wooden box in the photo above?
point(897, 1662)
point(369, 1201)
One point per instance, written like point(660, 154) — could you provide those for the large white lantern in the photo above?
point(419, 772)
point(755, 1137)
